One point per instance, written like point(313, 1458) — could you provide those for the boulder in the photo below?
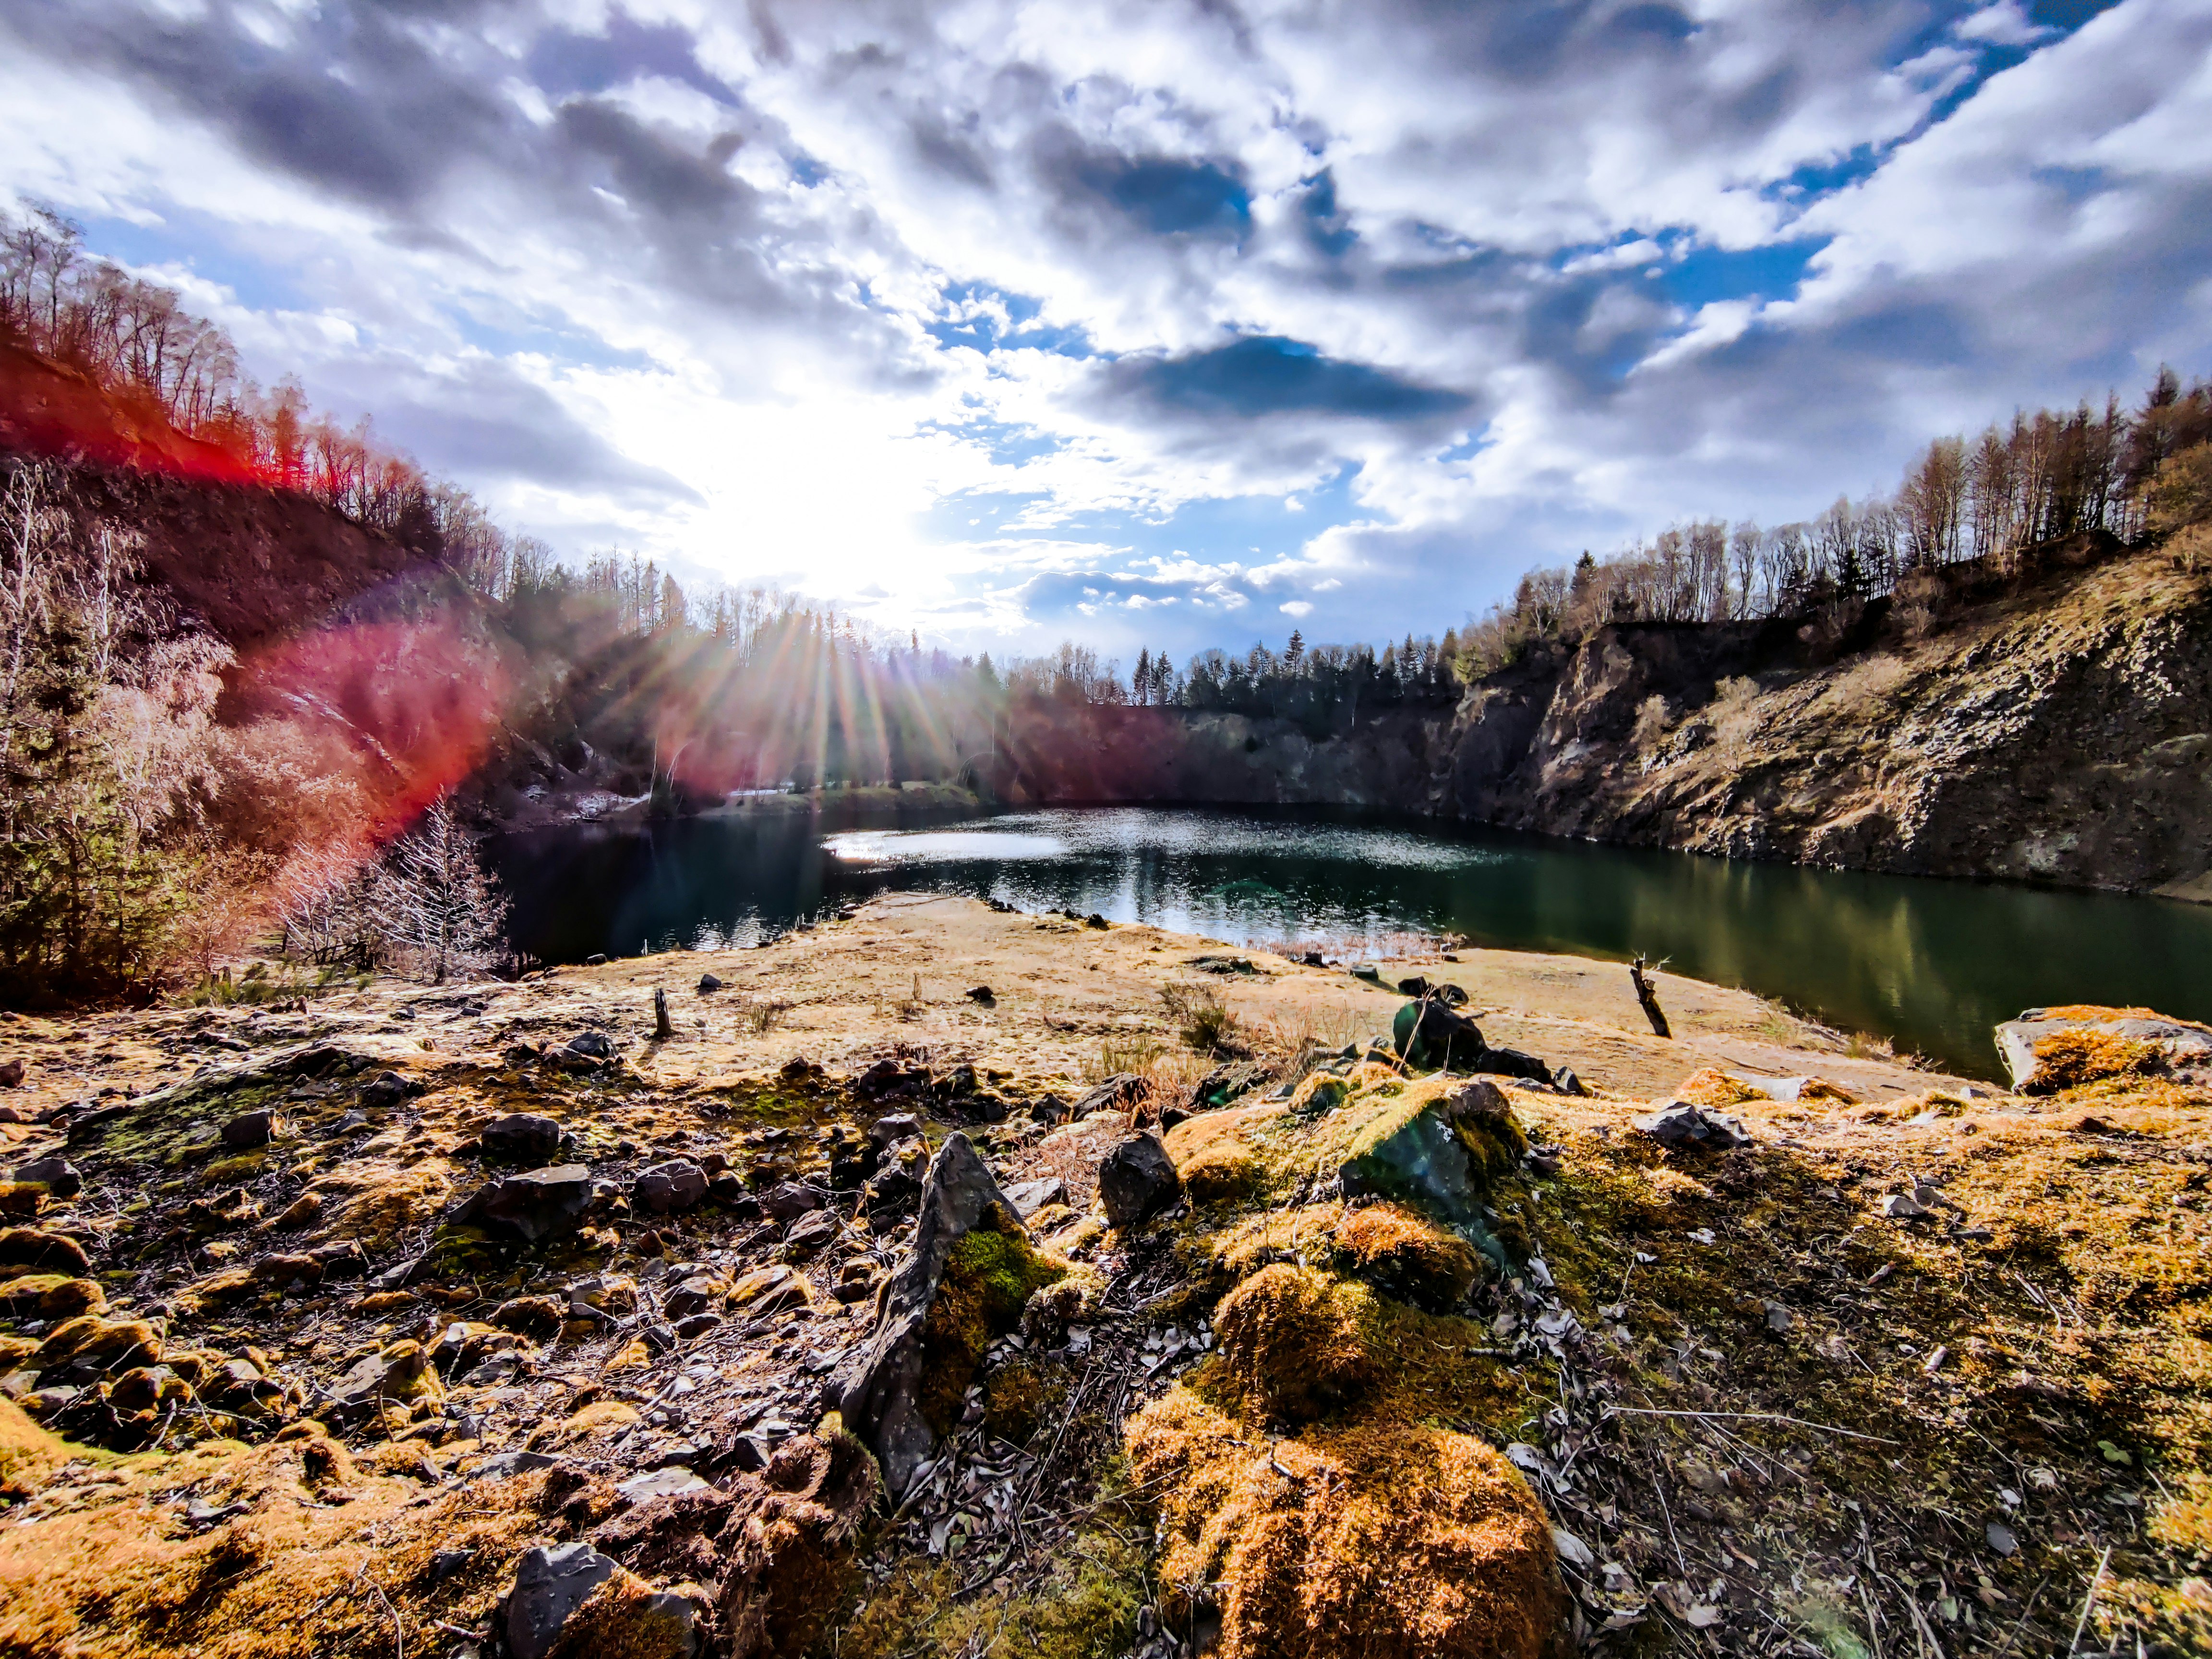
point(879, 1389)
point(709, 983)
point(886, 1132)
point(550, 1584)
point(386, 1089)
point(249, 1130)
point(1118, 1093)
point(524, 1138)
point(591, 1045)
point(1138, 1179)
point(533, 1205)
point(11, 1074)
point(669, 1188)
point(888, 1079)
point(57, 1174)
point(695, 1294)
point(1680, 1124)
point(1436, 1154)
point(1430, 1038)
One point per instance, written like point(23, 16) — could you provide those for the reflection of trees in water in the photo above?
point(1932, 963)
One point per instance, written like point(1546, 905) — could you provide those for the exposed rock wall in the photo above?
point(2059, 730)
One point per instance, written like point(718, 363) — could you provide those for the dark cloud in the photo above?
point(1266, 375)
point(563, 62)
point(1168, 196)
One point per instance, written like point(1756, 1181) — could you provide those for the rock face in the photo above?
point(57, 1174)
point(879, 1390)
point(1138, 1179)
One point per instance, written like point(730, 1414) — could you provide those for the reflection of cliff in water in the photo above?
point(1933, 964)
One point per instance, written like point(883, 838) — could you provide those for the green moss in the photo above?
point(990, 1275)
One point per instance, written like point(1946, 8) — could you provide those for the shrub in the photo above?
point(2067, 1060)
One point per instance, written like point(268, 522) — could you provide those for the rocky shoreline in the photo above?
point(921, 1290)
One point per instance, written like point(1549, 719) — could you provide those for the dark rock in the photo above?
point(891, 1080)
point(1138, 1179)
point(346, 1124)
point(709, 983)
point(1440, 1157)
point(1429, 1036)
point(1223, 964)
point(517, 1056)
point(885, 1131)
point(1171, 1116)
point(533, 1205)
point(249, 1129)
point(1094, 919)
point(810, 1233)
point(282, 1270)
point(1511, 1062)
point(728, 1189)
point(11, 1074)
point(593, 1045)
point(1050, 1109)
point(792, 1200)
point(1028, 1197)
point(692, 1326)
point(447, 1564)
point(800, 1070)
point(524, 1138)
point(1368, 971)
point(386, 1089)
point(1120, 1093)
point(343, 1260)
point(1680, 1124)
point(597, 959)
point(1226, 1084)
point(976, 993)
point(1567, 1083)
point(959, 1084)
point(669, 1188)
point(878, 1389)
point(506, 1465)
point(57, 1174)
point(548, 1586)
point(695, 1295)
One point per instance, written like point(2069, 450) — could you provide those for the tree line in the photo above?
point(1983, 500)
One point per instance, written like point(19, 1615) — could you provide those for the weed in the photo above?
point(1201, 1019)
point(758, 1017)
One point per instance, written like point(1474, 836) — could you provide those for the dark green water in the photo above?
point(1932, 965)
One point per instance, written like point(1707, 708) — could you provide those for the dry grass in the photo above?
point(2068, 1060)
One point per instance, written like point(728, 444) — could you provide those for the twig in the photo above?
point(2018, 1623)
point(2089, 1601)
point(1749, 1417)
point(1670, 1514)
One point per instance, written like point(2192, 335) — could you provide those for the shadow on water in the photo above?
point(1932, 965)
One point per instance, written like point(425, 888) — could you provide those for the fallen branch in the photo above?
point(1746, 1417)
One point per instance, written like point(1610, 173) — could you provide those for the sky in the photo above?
point(1165, 322)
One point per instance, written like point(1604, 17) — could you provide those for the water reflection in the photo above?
point(1932, 963)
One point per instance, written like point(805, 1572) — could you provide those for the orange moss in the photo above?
point(2067, 1060)
point(1292, 1343)
point(1405, 1255)
point(1716, 1088)
point(1370, 1540)
point(1224, 1174)
point(625, 1618)
point(27, 1452)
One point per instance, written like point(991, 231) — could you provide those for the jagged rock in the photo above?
point(896, 1184)
point(282, 1270)
point(548, 1586)
point(524, 1138)
point(27, 1248)
point(2179, 1043)
point(1138, 1179)
point(1679, 1124)
point(890, 1079)
point(386, 1089)
point(591, 1045)
point(11, 1074)
point(506, 1465)
point(533, 1205)
point(707, 983)
point(879, 1389)
point(669, 1188)
point(529, 1315)
point(57, 1174)
point(1028, 1197)
point(671, 1482)
point(343, 1260)
point(695, 1295)
point(249, 1130)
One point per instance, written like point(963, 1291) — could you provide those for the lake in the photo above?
point(1931, 965)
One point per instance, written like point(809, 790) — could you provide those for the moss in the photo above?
point(625, 1618)
point(1223, 1175)
point(1377, 1538)
point(990, 1275)
point(2067, 1060)
point(1019, 1398)
point(27, 1452)
point(1405, 1255)
point(1294, 1344)
point(1086, 1609)
point(51, 1296)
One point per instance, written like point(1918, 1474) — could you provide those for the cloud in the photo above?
point(1008, 317)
